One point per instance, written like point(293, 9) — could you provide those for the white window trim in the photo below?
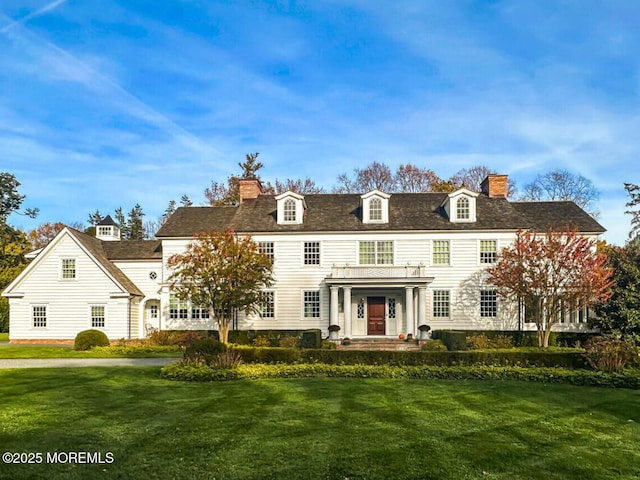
point(31, 322)
point(90, 323)
point(275, 297)
point(61, 269)
point(450, 205)
point(311, 265)
point(366, 203)
point(302, 292)
point(479, 243)
point(300, 206)
point(431, 257)
point(433, 303)
point(375, 242)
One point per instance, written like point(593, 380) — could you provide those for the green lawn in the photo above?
point(37, 351)
point(316, 428)
point(4, 337)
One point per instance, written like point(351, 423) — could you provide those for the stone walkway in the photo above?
point(84, 362)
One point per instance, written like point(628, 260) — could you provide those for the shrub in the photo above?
point(455, 341)
point(477, 342)
point(328, 345)
point(90, 338)
point(503, 341)
point(186, 338)
point(203, 350)
point(434, 346)
point(261, 341)
point(311, 339)
point(289, 342)
point(481, 341)
point(226, 360)
point(159, 337)
point(609, 355)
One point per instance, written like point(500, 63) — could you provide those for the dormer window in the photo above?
point(460, 206)
point(463, 210)
point(289, 210)
point(375, 210)
point(291, 207)
point(375, 207)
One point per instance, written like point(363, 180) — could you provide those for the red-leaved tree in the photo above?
point(222, 271)
point(553, 274)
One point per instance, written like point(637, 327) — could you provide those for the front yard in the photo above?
point(315, 428)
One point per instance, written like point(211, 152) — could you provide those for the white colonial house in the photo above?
point(377, 264)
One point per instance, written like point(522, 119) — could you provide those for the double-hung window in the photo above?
point(488, 251)
point(441, 252)
point(39, 316)
point(375, 210)
point(441, 303)
point(267, 249)
point(311, 304)
point(289, 210)
point(375, 252)
point(68, 268)
point(267, 304)
point(312, 253)
point(488, 303)
point(97, 316)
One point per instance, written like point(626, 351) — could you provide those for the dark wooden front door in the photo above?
point(375, 315)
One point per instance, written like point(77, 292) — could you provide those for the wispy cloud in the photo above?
point(21, 21)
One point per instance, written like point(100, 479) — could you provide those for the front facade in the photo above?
point(375, 264)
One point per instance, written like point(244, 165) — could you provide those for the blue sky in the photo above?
point(113, 103)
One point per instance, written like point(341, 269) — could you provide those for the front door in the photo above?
point(375, 315)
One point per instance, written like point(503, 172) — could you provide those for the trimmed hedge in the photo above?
point(457, 339)
point(311, 339)
point(184, 372)
point(538, 358)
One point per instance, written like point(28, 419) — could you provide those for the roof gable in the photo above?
point(92, 247)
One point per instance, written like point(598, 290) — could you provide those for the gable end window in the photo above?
point(68, 268)
point(289, 210)
point(463, 209)
point(39, 316)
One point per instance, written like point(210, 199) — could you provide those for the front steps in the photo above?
point(380, 344)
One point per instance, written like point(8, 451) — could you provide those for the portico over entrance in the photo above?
point(377, 301)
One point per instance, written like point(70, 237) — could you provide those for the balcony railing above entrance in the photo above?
point(379, 271)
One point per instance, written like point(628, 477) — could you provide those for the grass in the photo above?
point(316, 428)
point(4, 337)
point(39, 351)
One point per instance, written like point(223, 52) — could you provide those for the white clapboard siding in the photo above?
point(68, 301)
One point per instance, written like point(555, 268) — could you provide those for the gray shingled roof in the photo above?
point(96, 248)
point(407, 211)
point(133, 250)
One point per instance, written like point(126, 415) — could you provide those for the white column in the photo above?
point(422, 309)
point(408, 309)
point(333, 309)
point(347, 311)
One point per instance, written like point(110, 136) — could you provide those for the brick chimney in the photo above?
point(495, 186)
point(249, 188)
